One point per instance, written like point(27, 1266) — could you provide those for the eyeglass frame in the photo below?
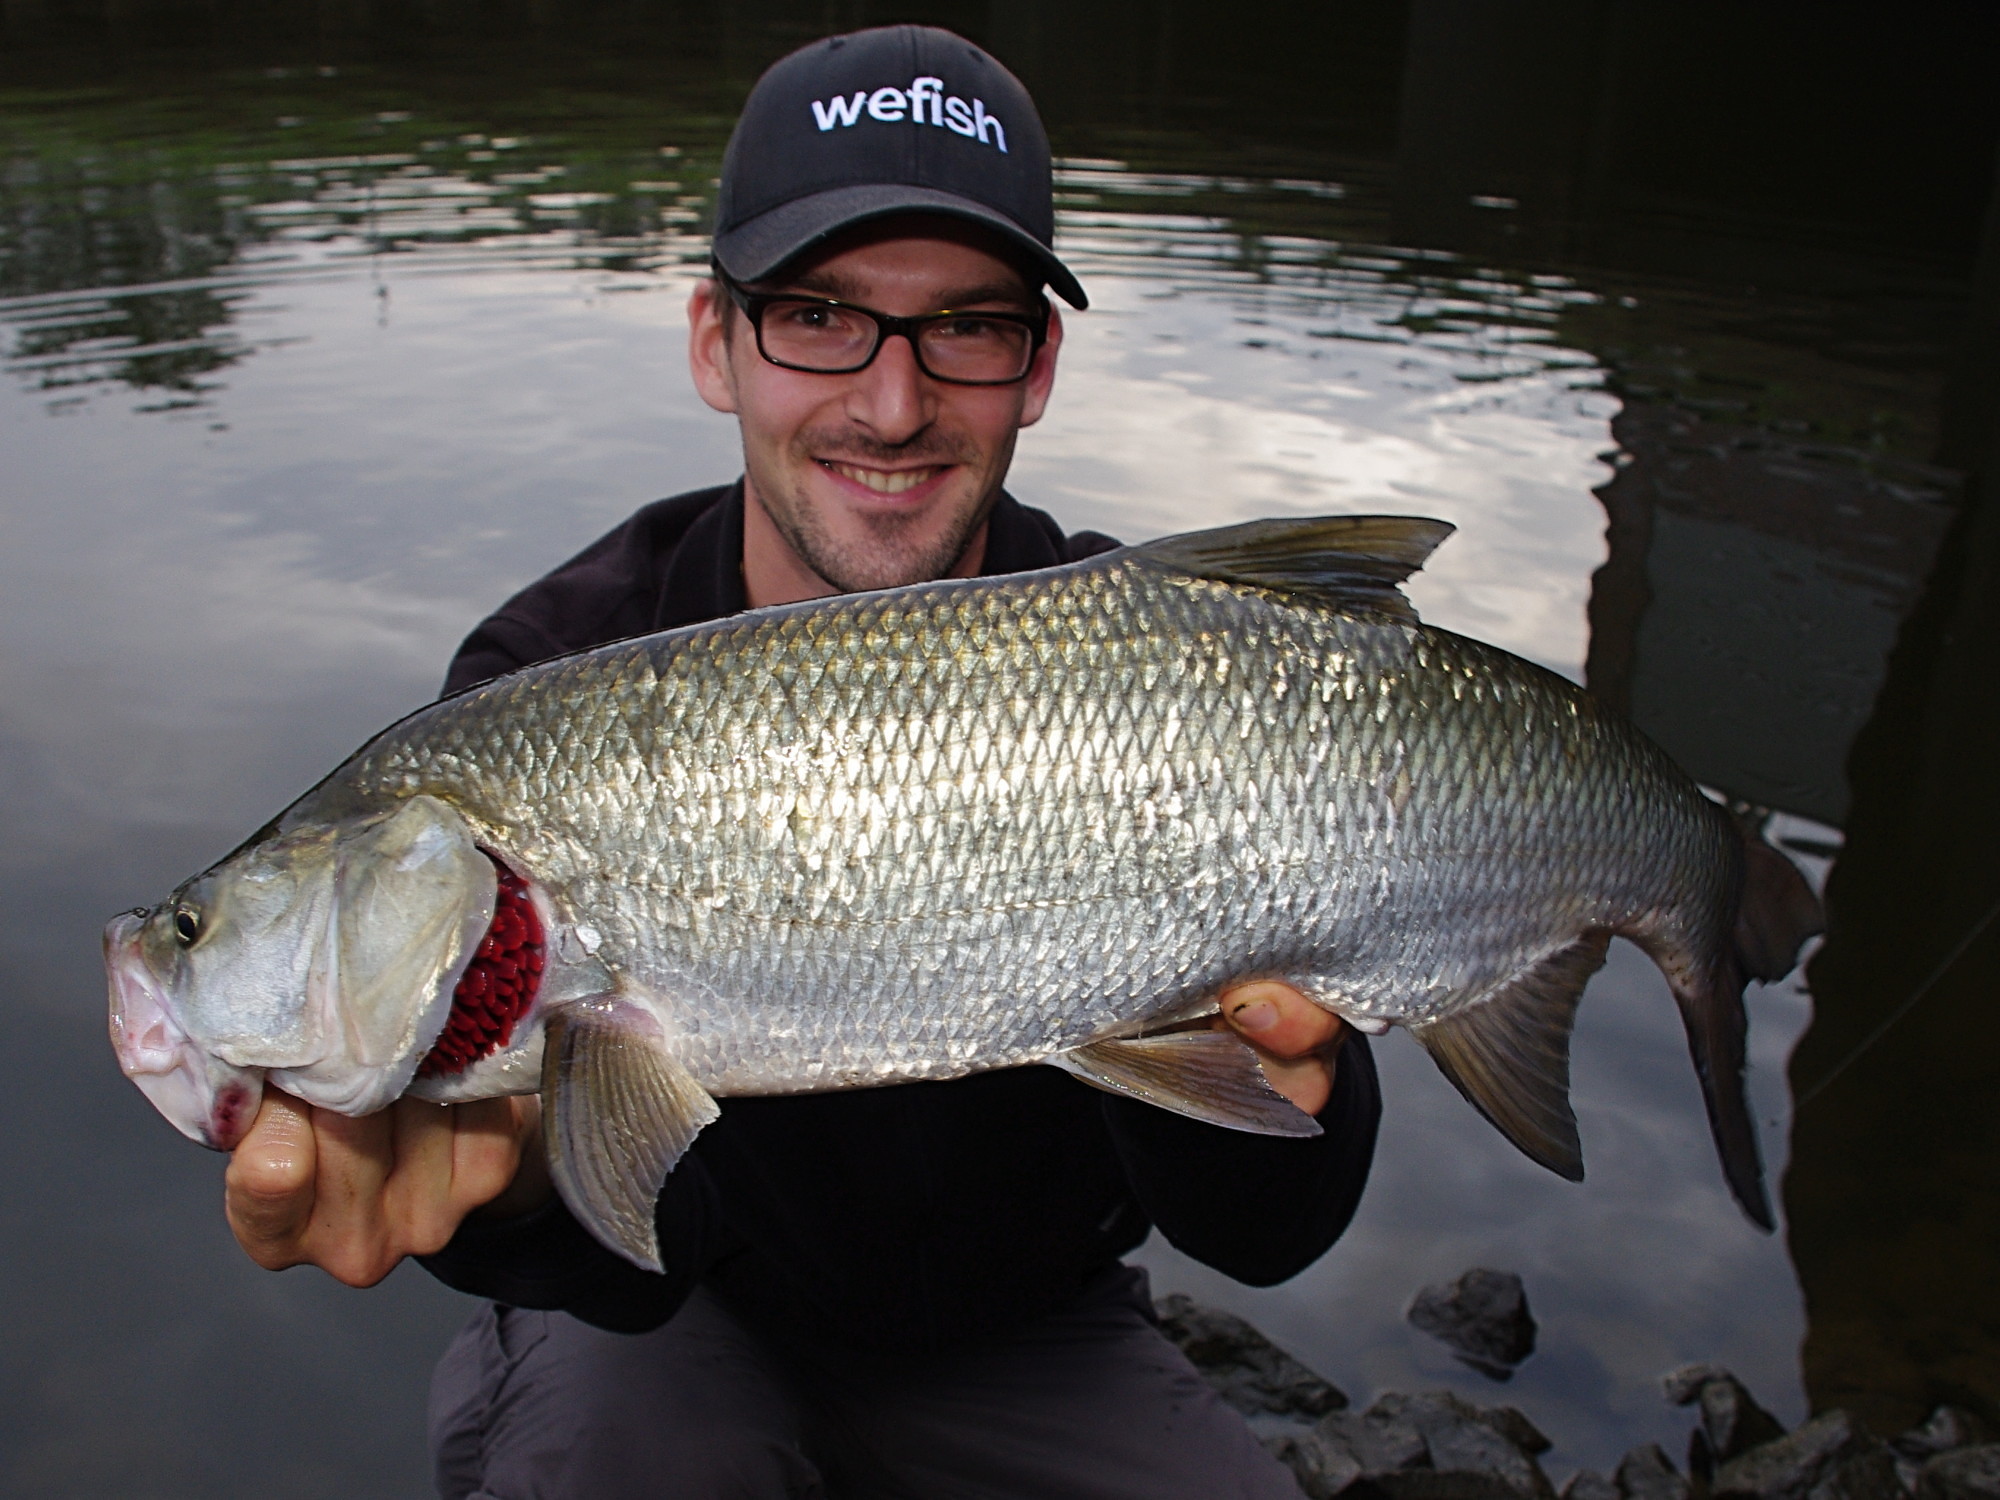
point(887, 326)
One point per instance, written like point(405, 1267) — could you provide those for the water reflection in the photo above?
point(147, 288)
point(322, 339)
point(1893, 1209)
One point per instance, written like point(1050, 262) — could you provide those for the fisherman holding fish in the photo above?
point(913, 1290)
point(859, 773)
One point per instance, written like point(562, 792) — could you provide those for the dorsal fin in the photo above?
point(1353, 562)
point(1509, 1054)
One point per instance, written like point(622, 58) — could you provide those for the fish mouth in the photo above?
point(203, 1097)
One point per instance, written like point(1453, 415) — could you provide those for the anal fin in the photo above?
point(1206, 1075)
point(1509, 1053)
point(618, 1110)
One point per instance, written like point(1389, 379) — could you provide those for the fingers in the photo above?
point(1277, 1019)
point(1296, 1041)
point(349, 1233)
point(268, 1189)
point(498, 1167)
point(355, 1196)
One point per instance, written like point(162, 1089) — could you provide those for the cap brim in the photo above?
point(756, 248)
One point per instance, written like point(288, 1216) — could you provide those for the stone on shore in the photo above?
point(1438, 1446)
point(1832, 1457)
point(1249, 1371)
point(1646, 1473)
point(1732, 1423)
point(1962, 1474)
point(1588, 1484)
point(1946, 1428)
point(1430, 1446)
point(1483, 1317)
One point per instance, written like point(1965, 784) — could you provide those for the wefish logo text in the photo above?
point(924, 102)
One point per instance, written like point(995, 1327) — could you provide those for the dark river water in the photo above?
point(325, 327)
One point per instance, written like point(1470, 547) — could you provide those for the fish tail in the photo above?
point(1775, 913)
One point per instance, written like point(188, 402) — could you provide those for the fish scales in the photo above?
point(968, 825)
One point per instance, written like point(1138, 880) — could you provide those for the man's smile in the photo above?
point(883, 481)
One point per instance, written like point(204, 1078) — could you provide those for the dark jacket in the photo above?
point(917, 1215)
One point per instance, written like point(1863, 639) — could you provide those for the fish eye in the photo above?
point(187, 925)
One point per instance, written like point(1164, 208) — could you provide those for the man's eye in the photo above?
point(808, 318)
point(972, 328)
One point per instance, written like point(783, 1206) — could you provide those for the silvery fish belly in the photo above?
point(959, 826)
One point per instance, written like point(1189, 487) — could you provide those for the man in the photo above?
point(911, 1291)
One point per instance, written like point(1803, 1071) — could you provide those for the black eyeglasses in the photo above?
point(825, 337)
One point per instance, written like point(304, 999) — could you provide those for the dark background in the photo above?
point(1802, 203)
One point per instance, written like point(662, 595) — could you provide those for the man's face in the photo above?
point(880, 477)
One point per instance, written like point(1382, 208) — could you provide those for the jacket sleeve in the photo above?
point(1258, 1208)
point(546, 1259)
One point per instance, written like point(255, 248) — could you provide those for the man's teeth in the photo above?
point(884, 481)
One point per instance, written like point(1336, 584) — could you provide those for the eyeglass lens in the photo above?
point(964, 346)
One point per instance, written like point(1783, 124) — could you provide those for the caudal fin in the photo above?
point(1776, 913)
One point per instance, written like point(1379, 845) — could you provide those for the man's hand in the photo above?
point(1295, 1040)
point(310, 1187)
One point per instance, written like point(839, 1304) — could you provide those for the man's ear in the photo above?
point(1042, 373)
point(708, 346)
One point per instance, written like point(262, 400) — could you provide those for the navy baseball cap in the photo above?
point(900, 119)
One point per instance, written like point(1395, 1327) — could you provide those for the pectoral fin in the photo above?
point(1206, 1075)
point(617, 1112)
point(1509, 1054)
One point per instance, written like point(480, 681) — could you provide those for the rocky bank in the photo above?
point(1435, 1445)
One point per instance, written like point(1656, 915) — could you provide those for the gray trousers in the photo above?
point(1091, 1403)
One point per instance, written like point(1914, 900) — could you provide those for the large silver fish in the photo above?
point(957, 826)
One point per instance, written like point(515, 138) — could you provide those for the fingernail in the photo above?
point(1256, 1015)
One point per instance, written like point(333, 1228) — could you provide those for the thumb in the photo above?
point(268, 1188)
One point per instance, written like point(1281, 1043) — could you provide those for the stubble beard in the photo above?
point(894, 549)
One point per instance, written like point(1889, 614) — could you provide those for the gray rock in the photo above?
point(1684, 1384)
point(1947, 1428)
point(1832, 1457)
point(1323, 1465)
point(1432, 1446)
point(1516, 1428)
point(1379, 1440)
point(1483, 1317)
point(1732, 1422)
point(1479, 1447)
point(1433, 1484)
point(1962, 1474)
point(1646, 1473)
point(1347, 1446)
point(1588, 1484)
point(1249, 1371)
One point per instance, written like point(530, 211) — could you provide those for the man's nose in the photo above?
point(893, 397)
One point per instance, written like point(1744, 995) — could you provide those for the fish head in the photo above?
point(321, 958)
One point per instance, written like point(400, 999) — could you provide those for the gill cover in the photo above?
point(412, 894)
